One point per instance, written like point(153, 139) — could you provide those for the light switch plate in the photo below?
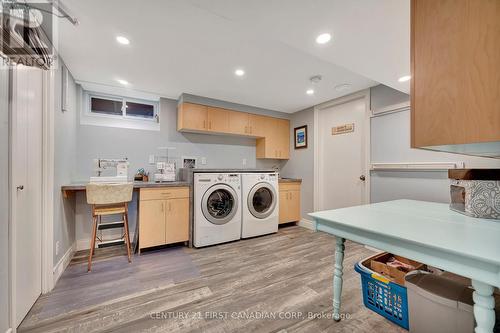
point(244, 161)
point(203, 161)
point(151, 159)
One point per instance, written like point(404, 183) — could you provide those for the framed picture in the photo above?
point(189, 162)
point(300, 137)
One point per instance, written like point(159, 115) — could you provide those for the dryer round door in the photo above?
point(262, 200)
point(219, 204)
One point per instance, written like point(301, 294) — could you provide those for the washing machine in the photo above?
point(217, 208)
point(260, 199)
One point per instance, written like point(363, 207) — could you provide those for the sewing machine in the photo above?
point(103, 164)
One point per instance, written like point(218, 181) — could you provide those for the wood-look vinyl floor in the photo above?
point(274, 283)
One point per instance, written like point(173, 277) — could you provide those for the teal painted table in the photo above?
point(427, 232)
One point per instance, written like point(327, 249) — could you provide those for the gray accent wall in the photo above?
point(65, 164)
point(220, 151)
point(301, 162)
point(4, 198)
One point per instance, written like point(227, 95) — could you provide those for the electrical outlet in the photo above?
point(244, 161)
point(203, 160)
point(57, 248)
point(151, 159)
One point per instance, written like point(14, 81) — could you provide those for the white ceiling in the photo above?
point(194, 46)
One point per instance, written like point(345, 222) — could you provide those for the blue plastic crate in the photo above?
point(386, 298)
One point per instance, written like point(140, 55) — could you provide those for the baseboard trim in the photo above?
point(308, 224)
point(63, 263)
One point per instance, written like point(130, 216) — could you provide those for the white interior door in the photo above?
point(27, 104)
point(341, 157)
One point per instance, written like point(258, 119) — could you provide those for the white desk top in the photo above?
point(428, 224)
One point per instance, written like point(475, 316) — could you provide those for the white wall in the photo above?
point(65, 165)
point(390, 142)
point(4, 198)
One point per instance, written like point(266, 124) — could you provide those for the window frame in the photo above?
point(91, 94)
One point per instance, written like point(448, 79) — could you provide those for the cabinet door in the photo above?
point(238, 123)
point(192, 117)
point(218, 120)
point(276, 144)
point(284, 206)
point(283, 138)
point(294, 206)
point(257, 125)
point(151, 223)
point(455, 64)
point(177, 220)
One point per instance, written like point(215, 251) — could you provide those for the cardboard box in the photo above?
point(378, 264)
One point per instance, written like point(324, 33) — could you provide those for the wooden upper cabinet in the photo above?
point(238, 123)
point(218, 120)
point(272, 134)
point(192, 117)
point(247, 124)
point(276, 143)
point(283, 129)
point(455, 65)
point(257, 125)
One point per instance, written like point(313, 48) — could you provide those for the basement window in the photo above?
point(118, 111)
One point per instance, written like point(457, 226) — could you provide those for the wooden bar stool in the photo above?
point(109, 199)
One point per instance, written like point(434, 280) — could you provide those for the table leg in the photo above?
point(484, 307)
point(337, 277)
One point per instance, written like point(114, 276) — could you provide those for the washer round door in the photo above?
point(219, 204)
point(262, 200)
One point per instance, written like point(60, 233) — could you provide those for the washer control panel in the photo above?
point(233, 177)
point(268, 177)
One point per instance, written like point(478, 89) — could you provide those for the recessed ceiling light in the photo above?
point(342, 87)
point(310, 91)
point(404, 78)
point(239, 72)
point(122, 82)
point(122, 40)
point(323, 38)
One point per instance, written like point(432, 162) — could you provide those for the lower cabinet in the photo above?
point(289, 210)
point(163, 216)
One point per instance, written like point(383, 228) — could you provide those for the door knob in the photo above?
point(362, 177)
point(20, 187)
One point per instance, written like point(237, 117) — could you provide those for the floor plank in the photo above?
point(275, 283)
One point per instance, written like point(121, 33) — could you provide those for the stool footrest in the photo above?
point(111, 243)
point(111, 225)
